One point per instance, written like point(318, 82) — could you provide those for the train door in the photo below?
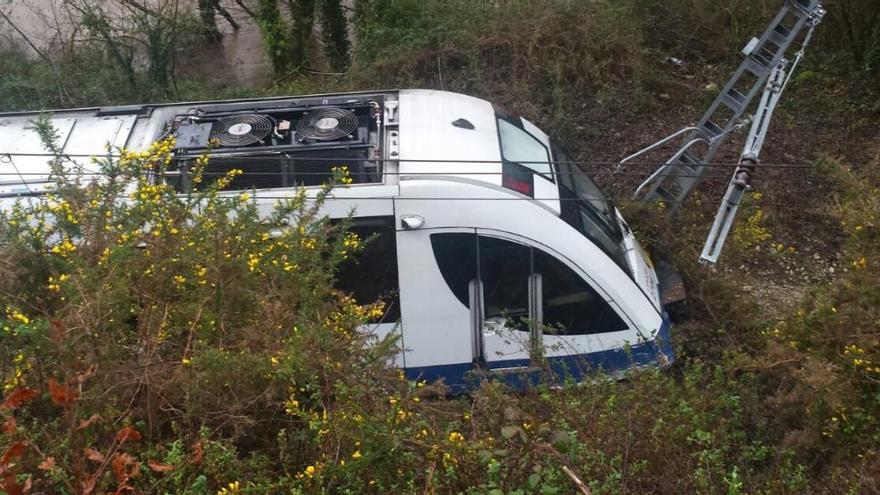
point(524, 302)
point(438, 342)
point(490, 277)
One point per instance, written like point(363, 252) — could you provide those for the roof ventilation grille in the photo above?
point(327, 124)
point(241, 130)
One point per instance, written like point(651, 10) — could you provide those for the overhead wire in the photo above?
point(592, 173)
point(420, 160)
point(461, 198)
point(429, 174)
point(8, 159)
point(235, 194)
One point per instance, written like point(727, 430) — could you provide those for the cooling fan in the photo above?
point(327, 124)
point(241, 130)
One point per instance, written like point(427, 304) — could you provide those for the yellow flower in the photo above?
point(14, 314)
point(186, 361)
point(253, 261)
point(351, 240)
point(233, 488)
point(66, 247)
point(456, 437)
point(310, 471)
point(356, 454)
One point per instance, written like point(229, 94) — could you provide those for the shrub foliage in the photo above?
point(165, 343)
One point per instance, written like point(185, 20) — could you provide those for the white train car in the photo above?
point(493, 251)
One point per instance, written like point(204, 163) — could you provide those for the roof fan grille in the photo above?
point(327, 124)
point(241, 130)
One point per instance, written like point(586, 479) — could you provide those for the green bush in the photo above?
point(149, 344)
point(189, 319)
point(553, 60)
point(152, 345)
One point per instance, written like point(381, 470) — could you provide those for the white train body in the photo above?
point(494, 251)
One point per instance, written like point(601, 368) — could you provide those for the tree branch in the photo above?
point(245, 8)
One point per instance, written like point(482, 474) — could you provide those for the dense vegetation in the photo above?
point(147, 346)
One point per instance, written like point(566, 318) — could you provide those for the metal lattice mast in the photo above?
point(674, 180)
point(749, 159)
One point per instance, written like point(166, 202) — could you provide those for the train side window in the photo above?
point(518, 146)
point(504, 271)
point(456, 256)
point(371, 274)
point(571, 306)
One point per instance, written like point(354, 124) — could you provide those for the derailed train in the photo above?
point(493, 250)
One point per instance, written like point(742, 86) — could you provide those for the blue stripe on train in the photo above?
point(459, 377)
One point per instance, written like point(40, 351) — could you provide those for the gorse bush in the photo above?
point(194, 343)
point(836, 327)
point(159, 342)
point(145, 314)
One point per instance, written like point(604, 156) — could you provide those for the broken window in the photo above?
point(370, 275)
point(570, 305)
point(585, 207)
point(504, 271)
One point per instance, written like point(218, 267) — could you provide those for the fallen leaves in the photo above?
point(18, 397)
point(48, 464)
point(93, 455)
point(124, 467)
point(13, 452)
point(11, 487)
point(198, 452)
point(85, 423)
point(158, 467)
point(127, 434)
point(9, 425)
point(61, 394)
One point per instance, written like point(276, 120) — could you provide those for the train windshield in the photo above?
point(587, 209)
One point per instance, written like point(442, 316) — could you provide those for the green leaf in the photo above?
point(509, 431)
